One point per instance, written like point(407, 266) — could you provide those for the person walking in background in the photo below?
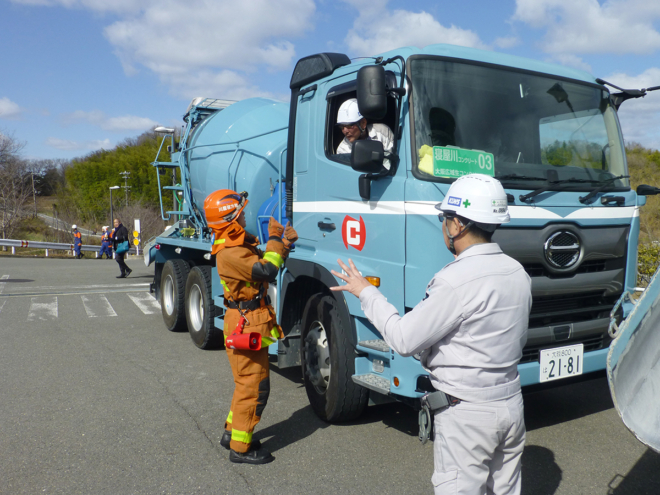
point(120, 234)
point(77, 242)
point(106, 244)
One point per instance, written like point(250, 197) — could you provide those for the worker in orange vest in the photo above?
point(245, 272)
point(77, 242)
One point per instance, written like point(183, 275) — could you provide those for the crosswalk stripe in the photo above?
point(147, 304)
point(97, 306)
point(42, 308)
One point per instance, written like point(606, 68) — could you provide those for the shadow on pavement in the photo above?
point(302, 423)
point(540, 473)
point(16, 280)
point(566, 402)
point(642, 479)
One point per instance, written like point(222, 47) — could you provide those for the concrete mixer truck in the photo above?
point(550, 134)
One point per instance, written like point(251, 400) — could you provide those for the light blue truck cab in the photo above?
point(550, 134)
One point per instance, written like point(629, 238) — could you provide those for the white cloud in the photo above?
point(507, 42)
point(378, 29)
point(225, 40)
point(67, 145)
point(640, 118)
point(587, 26)
point(113, 124)
point(10, 110)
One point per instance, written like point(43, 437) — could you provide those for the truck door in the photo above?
point(333, 219)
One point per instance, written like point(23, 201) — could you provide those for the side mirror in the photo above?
point(371, 92)
point(644, 190)
point(367, 156)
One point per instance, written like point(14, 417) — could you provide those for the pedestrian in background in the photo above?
point(77, 242)
point(470, 329)
point(120, 235)
point(106, 244)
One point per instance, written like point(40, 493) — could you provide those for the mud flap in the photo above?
point(633, 366)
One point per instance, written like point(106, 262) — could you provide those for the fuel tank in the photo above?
point(242, 148)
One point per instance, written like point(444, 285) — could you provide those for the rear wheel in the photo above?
point(200, 310)
point(172, 294)
point(328, 362)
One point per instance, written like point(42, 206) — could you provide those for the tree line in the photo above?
point(80, 188)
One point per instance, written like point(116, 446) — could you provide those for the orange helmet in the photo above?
point(223, 207)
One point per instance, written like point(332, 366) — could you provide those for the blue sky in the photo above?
point(81, 75)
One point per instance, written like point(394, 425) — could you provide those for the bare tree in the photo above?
point(151, 223)
point(15, 185)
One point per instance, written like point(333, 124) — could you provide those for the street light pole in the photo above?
point(111, 215)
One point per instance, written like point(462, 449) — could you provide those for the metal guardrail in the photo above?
point(59, 246)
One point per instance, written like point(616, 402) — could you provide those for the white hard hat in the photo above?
point(479, 198)
point(348, 112)
point(74, 226)
point(105, 227)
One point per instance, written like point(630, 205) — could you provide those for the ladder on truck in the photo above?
point(198, 111)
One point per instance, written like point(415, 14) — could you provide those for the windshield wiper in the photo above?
point(550, 184)
point(607, 185)
point(517, 177)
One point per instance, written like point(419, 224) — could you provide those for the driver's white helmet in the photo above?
point(74, 226)
point(348, 112)
point(479, 198)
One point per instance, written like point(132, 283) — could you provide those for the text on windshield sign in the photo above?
point(455, 162)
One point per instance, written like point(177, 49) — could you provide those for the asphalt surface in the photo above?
point(98, 397)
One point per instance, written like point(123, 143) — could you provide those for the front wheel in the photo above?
point(200, 310)
point(172, 291)
point(328, 362)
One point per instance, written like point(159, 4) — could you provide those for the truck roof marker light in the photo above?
point(177, 250)
point(157, 246)
point(375, 281)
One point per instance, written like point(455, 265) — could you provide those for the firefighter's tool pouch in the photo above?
point(244, 341)
point(432, 403)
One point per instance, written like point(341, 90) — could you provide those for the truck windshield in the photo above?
point(531, 127)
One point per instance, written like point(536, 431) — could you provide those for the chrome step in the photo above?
point(376, 344)
point(373, 382)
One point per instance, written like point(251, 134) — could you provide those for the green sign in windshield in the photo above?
point(449, 161)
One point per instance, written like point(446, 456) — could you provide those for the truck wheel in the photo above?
point(172, 291)
point(200, 310)
point(328, 362)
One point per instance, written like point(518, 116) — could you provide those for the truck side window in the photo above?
point(333, 134)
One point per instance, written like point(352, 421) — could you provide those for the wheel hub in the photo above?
point(168, 295)
point(317, 357)
point(196, 308)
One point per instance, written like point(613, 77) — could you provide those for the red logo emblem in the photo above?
point(354, 233)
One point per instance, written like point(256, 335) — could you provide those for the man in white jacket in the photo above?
point(470, 329)
point(354, 127)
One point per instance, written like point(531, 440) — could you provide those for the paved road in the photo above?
point(97, 397)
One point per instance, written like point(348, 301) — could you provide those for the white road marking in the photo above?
point(97, 306)
point(2, 284)
point(2, 304)
point(146, 302)
point(43, 308)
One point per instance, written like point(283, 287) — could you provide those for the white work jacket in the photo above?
point(470, 328)
point(376, 132)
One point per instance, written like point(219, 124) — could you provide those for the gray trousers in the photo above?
point(478, 448)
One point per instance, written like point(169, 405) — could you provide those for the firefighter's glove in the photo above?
point(290, 236)
point(275, 229)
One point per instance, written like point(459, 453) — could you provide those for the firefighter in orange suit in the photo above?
point(245, 272)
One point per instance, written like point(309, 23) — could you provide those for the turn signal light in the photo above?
point(375, 281)
point(396, 381)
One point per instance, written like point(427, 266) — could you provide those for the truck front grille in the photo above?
point(571, 308)
point(531, 354)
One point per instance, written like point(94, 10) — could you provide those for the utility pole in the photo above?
point(126, 175)
point(34, 196)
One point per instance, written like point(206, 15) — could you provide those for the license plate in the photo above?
point(561, 362)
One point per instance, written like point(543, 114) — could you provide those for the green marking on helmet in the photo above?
point(466, 203)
